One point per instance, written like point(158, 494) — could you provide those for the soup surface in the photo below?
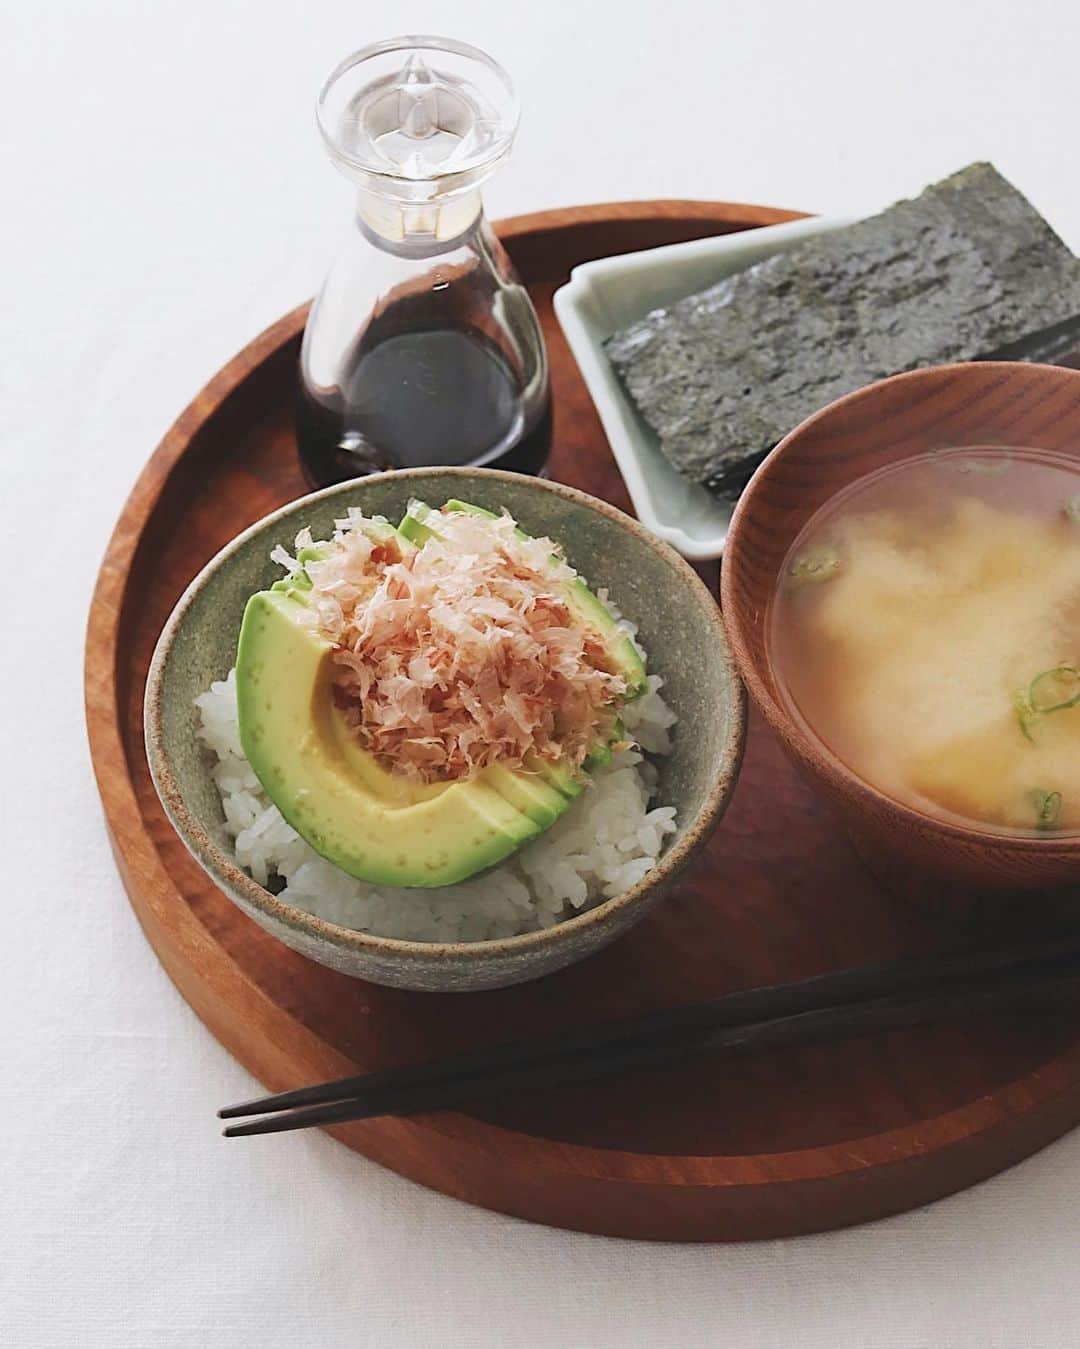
point(927, 629)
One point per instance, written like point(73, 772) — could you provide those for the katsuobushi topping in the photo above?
point(462, 651)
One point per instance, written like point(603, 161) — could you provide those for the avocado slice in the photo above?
point(371, 823)
point(421, 522)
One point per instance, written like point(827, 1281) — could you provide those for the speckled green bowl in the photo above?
point(680, 627)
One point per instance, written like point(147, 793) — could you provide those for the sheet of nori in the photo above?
point(966, 269)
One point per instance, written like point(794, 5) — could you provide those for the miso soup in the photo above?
point(926, 628)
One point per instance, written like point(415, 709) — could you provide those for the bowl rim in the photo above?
point(228, 874)
point(806, 743)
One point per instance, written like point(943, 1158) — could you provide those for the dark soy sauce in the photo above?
point(422, 396)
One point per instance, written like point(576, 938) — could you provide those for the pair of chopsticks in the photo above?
point(842, 1005)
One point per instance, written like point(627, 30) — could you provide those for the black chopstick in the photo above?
point(1054, 986)
point(926, 975)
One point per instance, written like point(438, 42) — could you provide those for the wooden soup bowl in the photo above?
point(988, 403)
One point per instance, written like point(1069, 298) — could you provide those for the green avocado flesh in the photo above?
point(373, 824)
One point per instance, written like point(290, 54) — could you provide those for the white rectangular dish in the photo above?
point(610, 293)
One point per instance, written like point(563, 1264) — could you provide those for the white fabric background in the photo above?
point(164, 198)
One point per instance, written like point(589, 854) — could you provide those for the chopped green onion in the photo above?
point(1047, 809)
point(1055, 690)
point(1025, 713)
point(818, 565)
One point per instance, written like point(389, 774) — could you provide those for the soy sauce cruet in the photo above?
point(423, 347)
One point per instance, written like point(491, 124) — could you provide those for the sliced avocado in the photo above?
point(371, 823)
point(421, 522)
point(537, 797)
point(561, 778)
point(299, 580)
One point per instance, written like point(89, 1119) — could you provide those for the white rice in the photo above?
point(606, 842)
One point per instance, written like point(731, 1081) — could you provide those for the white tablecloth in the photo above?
point(165, 197)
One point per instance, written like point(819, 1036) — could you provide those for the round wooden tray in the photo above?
point(795, 1141)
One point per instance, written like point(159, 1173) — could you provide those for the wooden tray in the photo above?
point(793, 1142)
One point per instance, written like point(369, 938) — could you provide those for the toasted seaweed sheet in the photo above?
point(966, 270)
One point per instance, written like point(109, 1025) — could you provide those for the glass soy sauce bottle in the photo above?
point(423, 347)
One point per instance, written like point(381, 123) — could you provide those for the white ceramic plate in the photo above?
point(603, 296)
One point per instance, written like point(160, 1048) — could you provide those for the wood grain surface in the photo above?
point(791, 1142)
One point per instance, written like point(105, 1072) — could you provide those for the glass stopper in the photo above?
point(418, 117)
